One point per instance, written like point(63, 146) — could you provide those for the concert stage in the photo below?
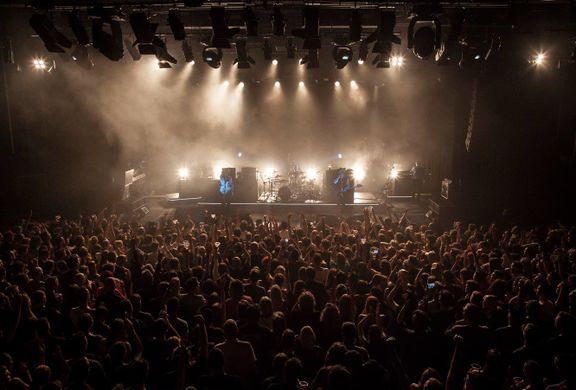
point(151, 207)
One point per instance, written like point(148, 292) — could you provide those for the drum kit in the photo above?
point(296, 186)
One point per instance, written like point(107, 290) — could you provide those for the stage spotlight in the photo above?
point(342, 56)
point(362, 52)
point(212, 56)
point(277, 84)
point(274, 62)
point(39, 64)
point(187, 50)
point(278, 22)
point(450, 50)
point(355, 26)
point(311, 174)
point(221, 33)
point(226, 83)
point(132, 50)
point(396, 61)
point(428, 38)
point(240, 154)
point(383, 38)
point(337, 83)
point(176, 25)
point(290, 47)
point(340, 156)
point(312, 59)
point(251, 22)
point(243, 60)
point(538, 60)
point(144, 32)
point(109, 44)
point(217, 169)
point(241, 84)
point(354, 84)
point(54, 40)
point(268, 49)
point(78, 29)
point(161, 51)
point(183, 173)
point(164, 64)
point(81, 56)
point(301, 84)
point(310, 32)
point(477, 48)
point(393, 172)
point(359, 173)
point(268, 172)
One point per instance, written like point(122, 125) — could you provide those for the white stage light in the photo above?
point(277, 84)
point(360, 62)
point(394, 173)
point(39, 63)
point(226, 83)
point(340, 156)
point(539, 59)
point(354, 84)
point(274, 62)
point(183, 173)
point(240, 154)
point(241, 84)
point(301, 84)
point(359, 173)
point(268, 172)
point(311, 174)
point(396, 61)
point(336, 83)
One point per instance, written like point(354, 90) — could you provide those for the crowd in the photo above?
point(230, 303)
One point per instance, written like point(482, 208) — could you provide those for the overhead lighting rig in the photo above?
point(428, 35)
point(383, 38)
point(310, 33)
point(54, 40)
point(243, 59)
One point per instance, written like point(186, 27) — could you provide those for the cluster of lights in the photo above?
point(394, 172)
point(396, 61)
point(183, 173)
point(312, 174)
point(538, 60)
point(359, 172)
point(39, 64)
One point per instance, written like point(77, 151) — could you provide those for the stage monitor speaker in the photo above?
point(246, 186)
point(330, 190)
point(230, 172)
point(402, 186)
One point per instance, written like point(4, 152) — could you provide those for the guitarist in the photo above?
point(344, 182)
point(226, 188)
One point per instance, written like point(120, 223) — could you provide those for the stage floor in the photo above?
point(392, 206)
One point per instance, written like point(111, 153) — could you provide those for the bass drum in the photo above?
point(284, 194)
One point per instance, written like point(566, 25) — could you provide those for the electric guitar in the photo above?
point(349, 187)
